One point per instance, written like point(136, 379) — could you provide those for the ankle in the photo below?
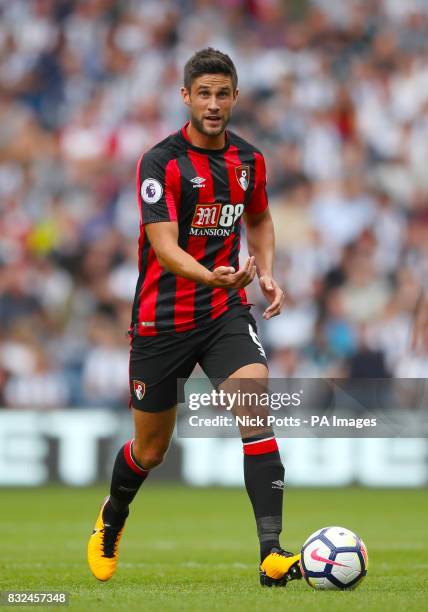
point(266, 548)
point(115, 514)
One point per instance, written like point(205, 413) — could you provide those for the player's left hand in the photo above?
point(274, 294)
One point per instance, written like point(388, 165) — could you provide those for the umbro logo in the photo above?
point(278, 484)
point(198, 182)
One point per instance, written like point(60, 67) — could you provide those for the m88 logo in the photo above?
point(211, 216)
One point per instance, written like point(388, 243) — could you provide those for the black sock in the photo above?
point(264, 481)
point(128, 476)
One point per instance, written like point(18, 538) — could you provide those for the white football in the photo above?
point(334, 558)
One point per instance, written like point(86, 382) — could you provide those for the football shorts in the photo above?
point(220, 347)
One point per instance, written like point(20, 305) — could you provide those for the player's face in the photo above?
point(210, 100)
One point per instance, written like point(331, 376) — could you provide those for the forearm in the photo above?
point(261, 244)
point(179, 262)
point(164, 239)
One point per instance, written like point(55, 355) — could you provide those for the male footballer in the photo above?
point(190, 305)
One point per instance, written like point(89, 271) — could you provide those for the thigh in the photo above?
point(233, 345)
point(155, 365)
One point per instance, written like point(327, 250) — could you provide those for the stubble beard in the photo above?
point(199, 125)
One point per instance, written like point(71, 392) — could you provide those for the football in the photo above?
point(334, 558)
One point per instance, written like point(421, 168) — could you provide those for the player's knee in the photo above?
point(149, 457)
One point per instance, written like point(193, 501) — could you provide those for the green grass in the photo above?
point(196, 549)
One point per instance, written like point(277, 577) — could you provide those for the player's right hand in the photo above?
point(225, 276)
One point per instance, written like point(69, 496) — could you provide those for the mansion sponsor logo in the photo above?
point(206, 215)
point(215, 219)
point(194, 231)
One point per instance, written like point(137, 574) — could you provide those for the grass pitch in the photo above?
point(196, 549)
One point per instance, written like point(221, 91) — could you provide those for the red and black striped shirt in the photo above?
point(206, 191)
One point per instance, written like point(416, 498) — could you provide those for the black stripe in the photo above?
point(258, 438)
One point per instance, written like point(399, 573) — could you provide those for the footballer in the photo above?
point(190, 307)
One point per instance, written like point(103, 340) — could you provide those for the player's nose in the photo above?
point(213, 104)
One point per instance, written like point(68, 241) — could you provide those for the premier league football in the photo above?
point(214, 305)
point(334, 558)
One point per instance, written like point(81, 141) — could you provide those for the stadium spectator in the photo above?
point(335, 93)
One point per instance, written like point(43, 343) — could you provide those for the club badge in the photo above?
point(139, 389)
point(243, 176)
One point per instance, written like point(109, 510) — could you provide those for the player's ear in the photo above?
point(185, 94)
point(235, 96)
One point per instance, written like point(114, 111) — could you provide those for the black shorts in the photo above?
point(220, 347)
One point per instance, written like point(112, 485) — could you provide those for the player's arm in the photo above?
point(420, 325)
point(261, 245)
point(261, 240)
point(164, 240)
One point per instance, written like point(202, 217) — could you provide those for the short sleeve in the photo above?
point(258, 200)
point(158, 185)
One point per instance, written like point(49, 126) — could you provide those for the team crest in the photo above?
point(139, 389)
point(243, 176)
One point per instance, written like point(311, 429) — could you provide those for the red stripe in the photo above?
point(129, 460)
point(260, 448)
point(140, 247)
point(140, 208)
point(137, 180)
point(172, 188)
point(148, 294)
point(243, 297)
point(184, 131)
point(258, 201)
point(184, 311)
point(148, 289)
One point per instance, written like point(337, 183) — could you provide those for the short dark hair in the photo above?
point(209, 61)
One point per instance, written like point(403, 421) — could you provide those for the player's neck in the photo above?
point(203, 141)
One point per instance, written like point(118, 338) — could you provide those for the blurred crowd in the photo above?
point(335, 93)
